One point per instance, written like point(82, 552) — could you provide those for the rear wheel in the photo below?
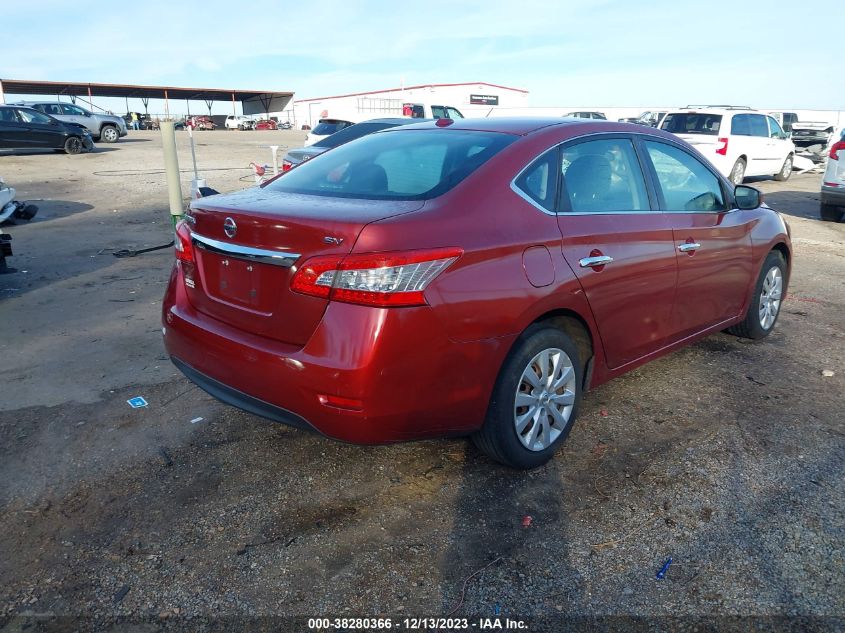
point(831, 213)
point(785, 171)
point(738, 172)
point(109, 134)
point(73, 145)
point(535, 399)
point(764, 307)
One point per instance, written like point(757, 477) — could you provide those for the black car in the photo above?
point(22, 127)
point(296, 156)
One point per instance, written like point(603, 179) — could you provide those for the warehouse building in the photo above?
point(472, 99)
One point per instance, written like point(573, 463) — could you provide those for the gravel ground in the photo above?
point(726, 456)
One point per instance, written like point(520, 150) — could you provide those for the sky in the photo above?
point(773, 54)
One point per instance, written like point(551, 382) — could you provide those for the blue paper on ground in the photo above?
point(137, 402)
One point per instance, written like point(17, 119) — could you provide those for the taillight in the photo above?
point(182, 243)
point(374, 279)
point(723, 150)
point(834, 151)
point(286, 165)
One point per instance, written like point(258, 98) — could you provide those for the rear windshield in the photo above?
point(324, 128)
point(692, 123)
point(351, 133)
point(400, 165)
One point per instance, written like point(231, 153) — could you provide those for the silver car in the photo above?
point(350, 133)
point(103, 127)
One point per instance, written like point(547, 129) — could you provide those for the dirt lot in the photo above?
point(727, 456)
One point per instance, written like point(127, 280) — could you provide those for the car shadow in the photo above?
point(49, 210)
point(508, 526)
point(799, 204)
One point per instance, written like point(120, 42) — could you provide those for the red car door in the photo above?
point(711, 238)
point(618, 244)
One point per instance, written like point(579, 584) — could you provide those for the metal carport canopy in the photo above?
point(253, 101)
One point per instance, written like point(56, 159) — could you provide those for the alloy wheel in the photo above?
point(545, 397)
point(770, 297)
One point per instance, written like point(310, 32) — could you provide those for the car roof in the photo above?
point(399, 120)
point(19, 105)
point(715, 110)
point(519, 126)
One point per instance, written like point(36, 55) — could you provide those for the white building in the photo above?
point(472, 99)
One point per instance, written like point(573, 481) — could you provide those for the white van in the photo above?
point(738, 141)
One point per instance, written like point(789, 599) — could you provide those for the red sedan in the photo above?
point(266, 124)
point(468, 277)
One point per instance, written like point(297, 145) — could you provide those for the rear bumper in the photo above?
point(400, 374)
point(835, 197)
point(239, 399)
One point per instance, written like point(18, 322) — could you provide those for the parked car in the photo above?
point(239, 122)
point(324, 128)
point(649, 118)
point(472, 277)
point(285, 125)
point(108, 128)
point(833, 183)
point(598, 116)
point(200, 123)
point(739, 141)
point(266, 124)
point(428, 111)
point(296, 156)
point(813, 139)
point(22, 127)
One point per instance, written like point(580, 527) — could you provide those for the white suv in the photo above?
point(738, 141)
point(833, 182)
point(237, 122)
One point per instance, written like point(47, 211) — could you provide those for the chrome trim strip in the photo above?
point(236, 251)
point(627, 133)
point(524, 195)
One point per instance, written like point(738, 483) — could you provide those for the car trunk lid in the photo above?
point(248, 245)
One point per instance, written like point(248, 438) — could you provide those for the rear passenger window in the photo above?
point(539, 181)
point(602, 177)
point(740, 125)
point(687, 185)
point(759, 127)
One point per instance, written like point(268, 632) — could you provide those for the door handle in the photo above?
point(687, 247)
point(591, 262)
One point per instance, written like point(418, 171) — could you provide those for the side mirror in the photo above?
point(747, 197)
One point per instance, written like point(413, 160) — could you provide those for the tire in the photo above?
point(737, 174)
point(241, 128)
point(785, 171)
point(759, 321)
point(73, 145)
point(109, 134)
point(499, 437)
point(831, 213)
